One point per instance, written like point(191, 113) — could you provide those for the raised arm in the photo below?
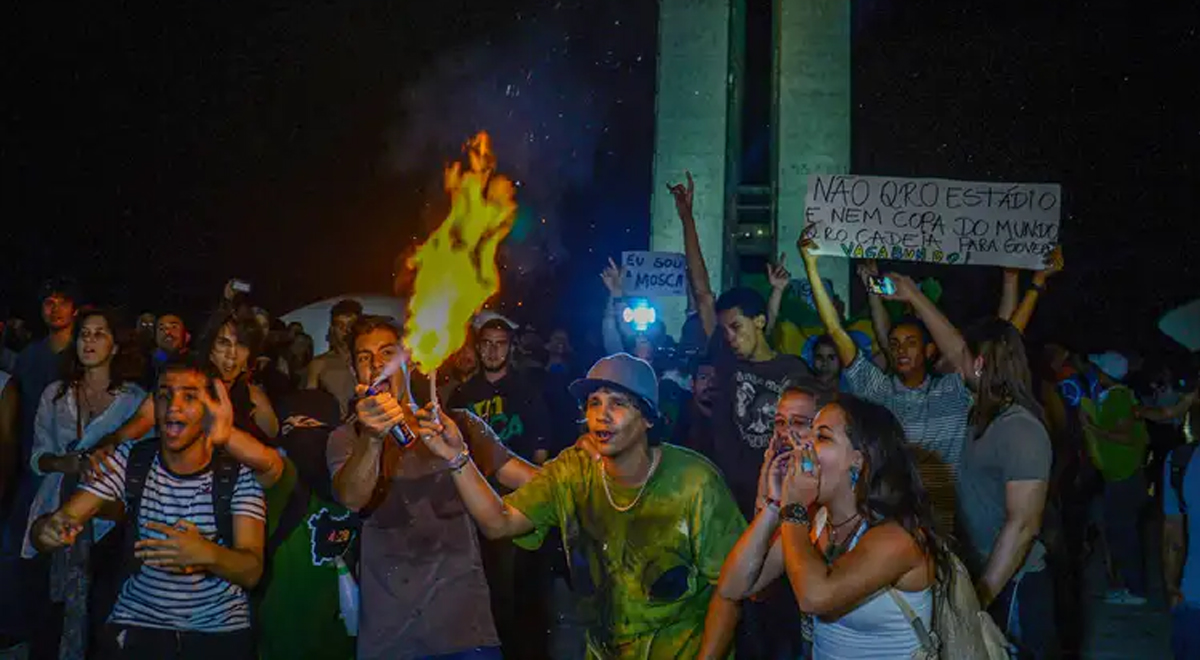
point(1054, 264)
point(496, 519)
point(355, 474)
point(949, 341)
point(757, 559)
point(846, 348)
point(1008, 293)
point(779, 277)
point(610, 332)
point(706, 302)
point(881, 322)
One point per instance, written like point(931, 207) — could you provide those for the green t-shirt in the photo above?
point(646, 575)
point(298, 614)
point(1116, 461)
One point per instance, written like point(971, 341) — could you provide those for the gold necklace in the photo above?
point(608, 493)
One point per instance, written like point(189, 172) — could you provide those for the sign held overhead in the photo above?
point(653, 274)
point(940, 221)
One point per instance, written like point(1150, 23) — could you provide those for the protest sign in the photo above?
point(653, 274)
point(933, 220)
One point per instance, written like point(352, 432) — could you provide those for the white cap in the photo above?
point(487, 316)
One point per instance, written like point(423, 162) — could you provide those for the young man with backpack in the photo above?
point(194, 528)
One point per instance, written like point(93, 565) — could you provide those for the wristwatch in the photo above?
point(795, 513)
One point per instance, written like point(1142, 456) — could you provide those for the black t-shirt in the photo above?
point(744, 416)
point(513, 406)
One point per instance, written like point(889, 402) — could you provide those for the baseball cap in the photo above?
point(490, 319)
point(1113, 364)
point(624, 372)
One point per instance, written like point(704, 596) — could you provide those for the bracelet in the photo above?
point(795, 513)
point(459, 462)
point(1040, 288)
point(771, 504)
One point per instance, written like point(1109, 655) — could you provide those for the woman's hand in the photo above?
point(777, 471)
point(803, 480)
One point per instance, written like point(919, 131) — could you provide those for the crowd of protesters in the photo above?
point(170, 495)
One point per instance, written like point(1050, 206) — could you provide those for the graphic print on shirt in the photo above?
point(507, 425)
point(330, 535)
point(754, 408)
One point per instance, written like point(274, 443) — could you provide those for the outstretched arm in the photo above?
point(881, 323)
point(706, 304)
point(846, 349)
point(1054, 264)
point(1008, 293)
point(779, 277)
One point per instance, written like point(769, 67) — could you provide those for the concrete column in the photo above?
point(691, 120)
point(813, 116)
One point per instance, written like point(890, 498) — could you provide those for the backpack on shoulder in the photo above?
point(962, 630)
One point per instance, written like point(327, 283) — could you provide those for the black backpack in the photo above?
point(137, 468)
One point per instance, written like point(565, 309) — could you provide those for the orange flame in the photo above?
point(456, 268)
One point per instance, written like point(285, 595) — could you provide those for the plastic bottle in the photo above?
point(347, 597)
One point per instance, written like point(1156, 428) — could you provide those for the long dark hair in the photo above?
point(245, 327)
point(1005, 379)
point(73, 369)
point(890, 488)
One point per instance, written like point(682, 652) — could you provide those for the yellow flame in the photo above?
point(456, 268)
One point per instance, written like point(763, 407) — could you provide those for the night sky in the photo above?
point(154, 152)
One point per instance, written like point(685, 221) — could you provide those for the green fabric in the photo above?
point(1116, 461)
point(298, 614)
point(646, 574)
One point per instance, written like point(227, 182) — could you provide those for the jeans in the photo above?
point(1185, 631)
point(1123, 503)
point(1024, 610)
point(134, 643)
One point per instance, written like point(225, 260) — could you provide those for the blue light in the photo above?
point(639, 314)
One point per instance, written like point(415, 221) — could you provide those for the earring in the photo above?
point(978, 373)
point(854, 476)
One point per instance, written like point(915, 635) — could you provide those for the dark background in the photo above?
point(154, 152)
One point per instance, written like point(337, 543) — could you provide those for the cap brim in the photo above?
point(581, 389)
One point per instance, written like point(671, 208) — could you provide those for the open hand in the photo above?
point(218, 414)
point(683, 196)
point(183, 550)
point(101, 461)
point(777, 274)
point(611, 276)
point(439, 433)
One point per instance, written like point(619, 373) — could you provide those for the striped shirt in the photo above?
point(935, 421)
point(154, 598)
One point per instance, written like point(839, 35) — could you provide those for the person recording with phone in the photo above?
point(424, 592)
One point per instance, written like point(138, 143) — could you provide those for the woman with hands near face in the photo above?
point(847, 518)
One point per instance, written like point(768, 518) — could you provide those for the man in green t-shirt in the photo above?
point(1116, 441)
point(646, 528)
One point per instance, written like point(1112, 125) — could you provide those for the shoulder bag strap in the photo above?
point(918, 626)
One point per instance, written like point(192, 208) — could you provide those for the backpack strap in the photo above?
point(137, 468)
point(225, 471)
point(918, 626)
point(1180, 457)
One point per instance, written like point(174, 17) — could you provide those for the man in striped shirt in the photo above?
point(188, 597)
point(934, 410)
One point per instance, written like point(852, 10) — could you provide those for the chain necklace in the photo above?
point(608, 493)
point(834, 527)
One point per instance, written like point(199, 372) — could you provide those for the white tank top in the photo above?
point(876, 629)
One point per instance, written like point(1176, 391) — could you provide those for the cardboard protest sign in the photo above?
point(653, 274)
point(933, 220)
